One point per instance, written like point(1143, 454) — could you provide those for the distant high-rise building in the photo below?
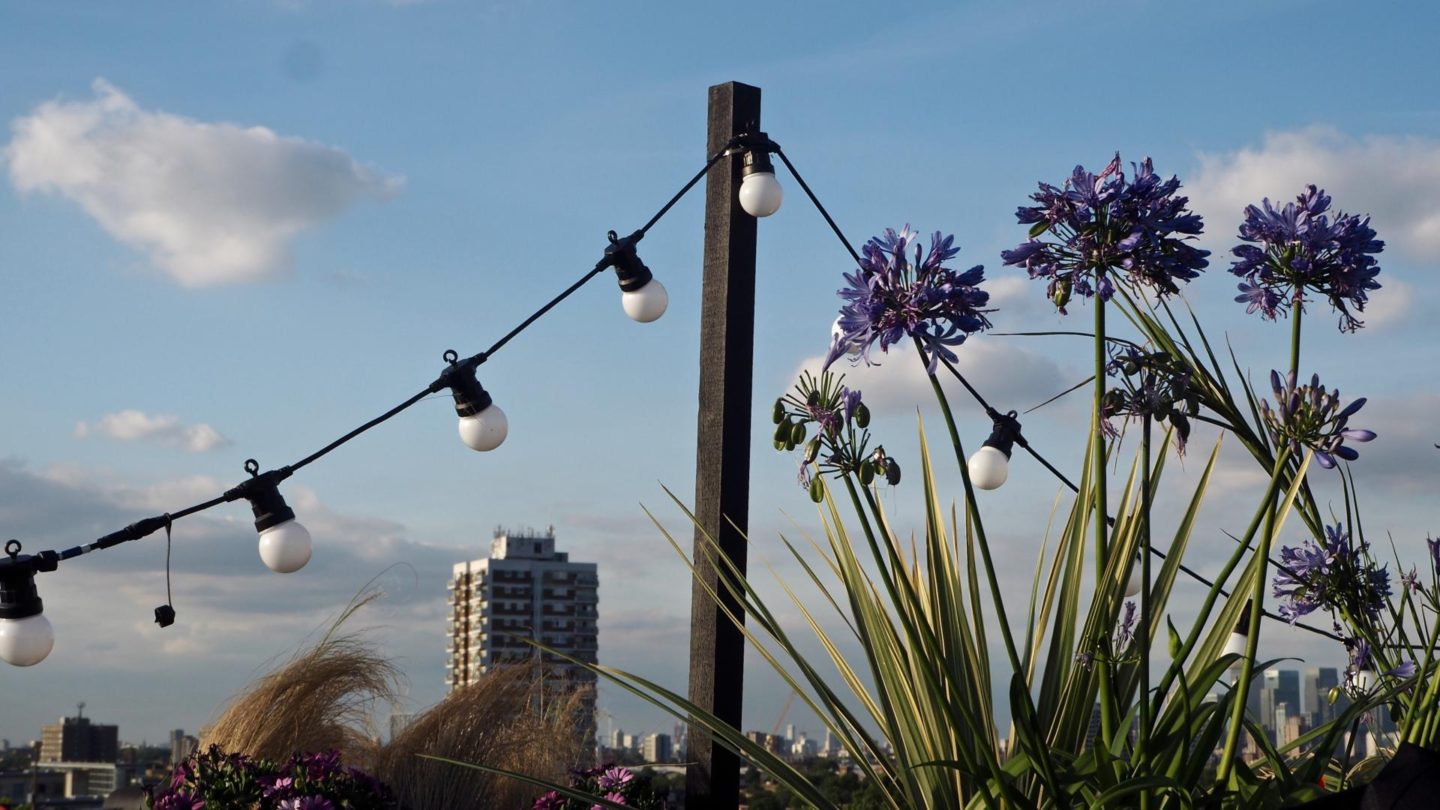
point(182, 745)
point(657, 748)
point(1317, 706)
point(76, 739)
point(1287, 690)
point(617, 739)
point(524, 589)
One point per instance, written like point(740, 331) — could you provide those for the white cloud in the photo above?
point(163, 429)
point(1395, 179)
point(1009, 376)
point(209, 202)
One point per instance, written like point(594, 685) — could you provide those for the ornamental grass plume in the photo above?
point(322, 699)
point(510, 718)
point(891, 297)
point(1100, 222)
point(1299, 248)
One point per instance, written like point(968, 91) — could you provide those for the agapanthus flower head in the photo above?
point(1309, 416)
point(840, 442)
point(1299, 247)
point(1333, 573)
point(1099, 225)
point(894, 295)
point(1434, 552)
point(1153, 385)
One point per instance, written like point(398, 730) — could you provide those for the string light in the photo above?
point(989, 467)
point(483, 426)
point(26, 636)
point(1237, 642)
point(285, 545)
point(760, 193)
point(641, 295)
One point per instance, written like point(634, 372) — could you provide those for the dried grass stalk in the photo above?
point(508, 719)
point(323, 698)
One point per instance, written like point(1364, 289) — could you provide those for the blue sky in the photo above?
point(436, 170)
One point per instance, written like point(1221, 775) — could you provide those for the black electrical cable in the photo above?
point(1019, 439)
point(147, 526)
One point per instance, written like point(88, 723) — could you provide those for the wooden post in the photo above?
point(722, 457)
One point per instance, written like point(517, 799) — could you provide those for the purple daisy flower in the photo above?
point(614, 778)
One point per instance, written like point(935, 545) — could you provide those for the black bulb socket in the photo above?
point(757, 157)
point(470, 397)
point(1242, 627)
point(263, 493)
point(1005, 432)
point(629, 270)
point(19, 598)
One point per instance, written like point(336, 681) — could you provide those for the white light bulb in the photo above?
point(1364, 680)
point(989, 468)
point(1134, 584)
point(485, 430)
point(25, 642)
point(647, 303)
point(761, 194)
point(1235, 645)
point(285, 547)
point(837, 334)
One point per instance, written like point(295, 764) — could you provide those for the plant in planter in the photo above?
point(315, 781)
point(1102, 712)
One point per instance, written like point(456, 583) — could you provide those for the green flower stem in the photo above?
point(1420, 731)
point(1102, 540)
point(974, 509)
point(1295, 311)
point(1252, 642)
point(1142, 634)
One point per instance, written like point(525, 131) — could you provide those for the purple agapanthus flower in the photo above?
point(892, 296)
point(1298, 248)
point(1153, 385)
point(1335, 574)
point(1309, 416)
point(1137, 227)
